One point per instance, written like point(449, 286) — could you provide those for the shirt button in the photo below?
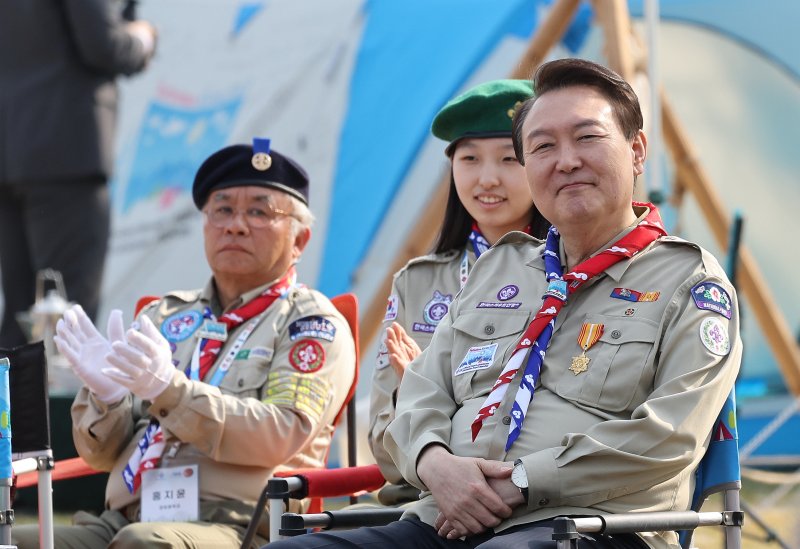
point(240, 383)
point(616, 334)
point(543, 502)
point(507, 420)
point(162, 412)
point(488, 329)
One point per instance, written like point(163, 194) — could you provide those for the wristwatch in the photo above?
point(520, 479)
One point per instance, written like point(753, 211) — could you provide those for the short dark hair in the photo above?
point(457, 223)
point(566, 73)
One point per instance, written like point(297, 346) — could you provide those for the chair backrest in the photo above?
point(347, 305)
point(30, 404)
point(143, 302)
point(719, 469)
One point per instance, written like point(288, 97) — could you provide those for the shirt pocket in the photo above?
point(617, 377)
point(246, 378)
point(489, 338)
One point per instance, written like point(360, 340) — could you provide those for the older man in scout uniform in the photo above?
point(212, 390)
point(575, 377)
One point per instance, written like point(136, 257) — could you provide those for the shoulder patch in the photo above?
point(180, 326)
point(312, 326)
point(392, 306)
point(712, 297)
point(714, 336)
point(436, 309)
point(307, 356)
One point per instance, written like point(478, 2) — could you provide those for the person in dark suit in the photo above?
point(58, 102)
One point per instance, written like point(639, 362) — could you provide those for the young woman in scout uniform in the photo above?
point(489, 197)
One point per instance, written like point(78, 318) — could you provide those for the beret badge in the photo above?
point(261, 159)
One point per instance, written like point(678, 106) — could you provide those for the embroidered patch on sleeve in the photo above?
point(712, 297)
point(714, 336)
point(312, 326)
point(308, 394)
point(181, 325)
point(383, 354)
point(392, 306)
point(307, 356)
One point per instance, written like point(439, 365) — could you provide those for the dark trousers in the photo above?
point(62, 225)
point(404, 534)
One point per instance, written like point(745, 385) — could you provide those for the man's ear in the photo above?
point(301, 241)
point(639, 149)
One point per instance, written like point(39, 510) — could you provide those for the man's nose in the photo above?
point(238, 223)
point(568, 159)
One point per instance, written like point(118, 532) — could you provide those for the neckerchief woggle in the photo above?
point(535, 340)
point(479, 245)
point(150, 448)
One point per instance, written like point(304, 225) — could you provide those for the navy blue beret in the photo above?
point(239, 166)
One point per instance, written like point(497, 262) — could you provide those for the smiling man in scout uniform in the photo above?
point(575, 377)
point(212, 390)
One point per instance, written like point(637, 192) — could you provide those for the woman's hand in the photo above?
point(402, 349)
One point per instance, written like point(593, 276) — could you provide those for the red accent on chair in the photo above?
point(142, 302)
point(323, 483)
point(63, 469)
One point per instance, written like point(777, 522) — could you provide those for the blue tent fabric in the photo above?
point(766, 26)
point(381, 136)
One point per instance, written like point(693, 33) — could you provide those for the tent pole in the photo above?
point(613, 15)
point(760, 299)
point(421, 236)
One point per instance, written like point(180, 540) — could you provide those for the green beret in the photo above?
point(483, 111)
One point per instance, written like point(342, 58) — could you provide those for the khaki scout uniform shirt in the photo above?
point(421, 294)
point(265, 415)
point(625, 435)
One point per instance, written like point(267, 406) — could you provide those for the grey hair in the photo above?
point(302, 218)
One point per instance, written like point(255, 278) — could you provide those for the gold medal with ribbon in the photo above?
point(590, 334)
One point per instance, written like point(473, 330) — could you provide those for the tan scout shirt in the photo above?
point(421, 295)
point(265, 415)
point(625, 435)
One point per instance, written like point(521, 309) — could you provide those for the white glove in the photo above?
point(143, 363)
point(85, 348)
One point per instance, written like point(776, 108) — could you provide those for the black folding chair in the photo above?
point(30, 426)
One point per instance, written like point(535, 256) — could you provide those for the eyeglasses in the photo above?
point(257, 217)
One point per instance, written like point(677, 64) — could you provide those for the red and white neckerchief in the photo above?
point(535, 340)
point(151, 446)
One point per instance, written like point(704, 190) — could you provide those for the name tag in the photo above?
point(477, 358)
point(170, 494)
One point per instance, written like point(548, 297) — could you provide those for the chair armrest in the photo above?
point(567, 528)
point(293, 524)
point(323, 483)
point(64, 469)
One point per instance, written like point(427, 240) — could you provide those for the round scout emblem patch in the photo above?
point(181, 325)
point(507, 292)
point(436, 308)
point(307, 356)
point(714, 336)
